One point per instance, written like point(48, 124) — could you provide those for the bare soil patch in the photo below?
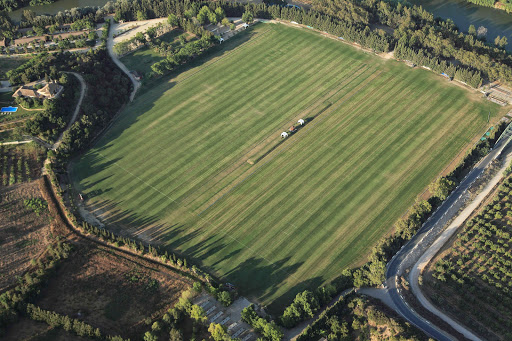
point(113, 292)
point(23, 233)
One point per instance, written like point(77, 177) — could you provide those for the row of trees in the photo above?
point(502, 4)
point(412, 27)
point(67, 323)
point(353, 20)
point(423, 58)
point(223, 296)
point(55, 320)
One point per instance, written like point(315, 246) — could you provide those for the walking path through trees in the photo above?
point(15, 142)
point(77, 109)
point(110, 48)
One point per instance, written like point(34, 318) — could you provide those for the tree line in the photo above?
point(11, 5)
point(179, 262)
point(360, 21)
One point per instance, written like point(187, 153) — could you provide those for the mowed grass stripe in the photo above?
point(304, 210)
point(313, 206)
point(157, 180)
point(276, 134)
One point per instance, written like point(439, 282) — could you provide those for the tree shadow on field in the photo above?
point(279, 304)
point(255, 277)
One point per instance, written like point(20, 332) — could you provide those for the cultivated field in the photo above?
point(20, 163)
point(23, 233)
point(173, 169)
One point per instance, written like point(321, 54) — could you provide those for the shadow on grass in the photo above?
point(255, 277)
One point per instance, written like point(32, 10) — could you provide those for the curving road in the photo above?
point(75, 113)
point(425, 244)
point(110, 49)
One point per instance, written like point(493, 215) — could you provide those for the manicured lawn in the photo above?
point(173, 169)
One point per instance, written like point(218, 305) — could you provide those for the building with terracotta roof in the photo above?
point(24, 91)
point(50, 90)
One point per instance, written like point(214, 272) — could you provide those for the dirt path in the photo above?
point(15, 142)
point(38, 109)
point(77, 109)
point(110, 48)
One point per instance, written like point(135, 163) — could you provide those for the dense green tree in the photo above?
point(218, 331)
point(248, 17)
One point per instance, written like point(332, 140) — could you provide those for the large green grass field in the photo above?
point(173, 168)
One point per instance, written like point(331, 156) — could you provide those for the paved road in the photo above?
point(110, 49)
point(438, 244)
point(413, 251)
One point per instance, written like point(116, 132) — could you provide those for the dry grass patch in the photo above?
point(110, 291)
